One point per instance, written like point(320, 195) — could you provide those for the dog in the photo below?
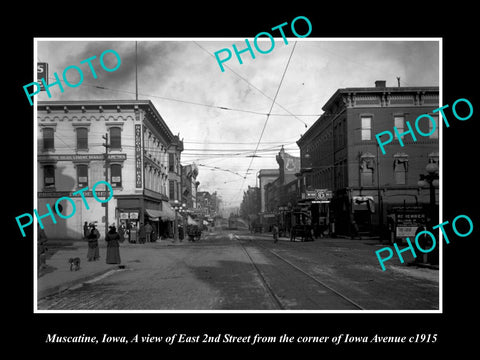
point(74, 263)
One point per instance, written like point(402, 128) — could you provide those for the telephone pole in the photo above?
point(105, 204)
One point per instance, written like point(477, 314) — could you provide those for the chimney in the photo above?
point(380, 83)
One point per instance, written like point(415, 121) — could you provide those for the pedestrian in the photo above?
point(355, 230)
point(121, 232)
point(93, 253)
point(275, 233)
point(141, 234)
point(113, 245)
point(148, 232)
point(85, 230)
point(41, 248)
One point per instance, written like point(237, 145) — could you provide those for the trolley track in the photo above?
point(270, 288)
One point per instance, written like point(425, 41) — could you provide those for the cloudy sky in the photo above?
point(221, 115)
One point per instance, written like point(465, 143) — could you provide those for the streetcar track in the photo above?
point(350, 301)
point(270, 291)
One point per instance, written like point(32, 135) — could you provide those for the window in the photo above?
point(171, 162)
point(171, 189)
point(399, 123)
point(116, 175)
point(115, 138)
point(82, 138)
point(434, 135)
point(400, 168)
point(49, 176)
point(82, 175)
point(48, 143)
point(367, 165)
point(366, 127)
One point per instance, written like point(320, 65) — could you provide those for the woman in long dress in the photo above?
point(113, 246)
point(93, 253)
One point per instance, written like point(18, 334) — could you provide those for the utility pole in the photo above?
point(105, 204)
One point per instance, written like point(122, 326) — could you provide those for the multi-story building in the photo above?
point(207, 203)
point(71, 155)
point(265, 176)
point(339, 153)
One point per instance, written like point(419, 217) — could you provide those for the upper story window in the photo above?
point(367, 165)
point(400, 168)
point(82, 138)
point(116, 175)
point(171, 162)
point(115, 138)
point(399, 123)
point(366, 123)
point(48, 136)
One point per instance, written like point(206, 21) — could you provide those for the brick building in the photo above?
point(339, 152)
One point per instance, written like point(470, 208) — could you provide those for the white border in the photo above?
point(439, 242)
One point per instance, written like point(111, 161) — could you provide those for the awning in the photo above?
point(167, 214)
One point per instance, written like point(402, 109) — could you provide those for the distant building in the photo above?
point(190, 185)
point(207, 204)
point(339, 153)
point(70, 156)
point(265, 176)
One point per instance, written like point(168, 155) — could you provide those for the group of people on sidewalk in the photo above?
point(113, 239)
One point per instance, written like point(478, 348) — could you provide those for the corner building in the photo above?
point(339, 152)
point(71, 155)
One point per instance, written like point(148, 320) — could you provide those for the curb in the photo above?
point(55, 290)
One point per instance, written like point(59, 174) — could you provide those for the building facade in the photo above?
point(190, 185)
point(122, 142)
point(339, 153)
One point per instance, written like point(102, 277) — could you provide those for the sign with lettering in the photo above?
point(42, 73)
point(80, 157)
point(138, 156)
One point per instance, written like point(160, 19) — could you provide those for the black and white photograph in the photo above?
point(181, 181)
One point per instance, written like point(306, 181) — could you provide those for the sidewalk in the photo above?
point(57, 277)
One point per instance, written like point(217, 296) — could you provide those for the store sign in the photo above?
point(406, 231)
point(138, 156)
point(42, 73)
point(319, 194)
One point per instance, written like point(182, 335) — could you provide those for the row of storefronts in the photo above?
point(141, 162)
point(342, 185)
